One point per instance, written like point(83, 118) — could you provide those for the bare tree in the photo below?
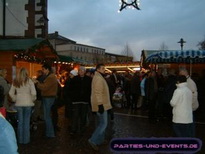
point(96, 57)
point(201, 44)
point(127, 51)
point(163, 46)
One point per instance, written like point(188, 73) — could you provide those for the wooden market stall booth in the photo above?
point(28, 53)
point(192, 60)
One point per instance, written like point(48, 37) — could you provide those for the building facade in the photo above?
point(86, 53)
point(23, 19)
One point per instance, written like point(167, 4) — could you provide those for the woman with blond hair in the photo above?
point(23, 93)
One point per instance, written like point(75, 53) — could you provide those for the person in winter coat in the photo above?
point(100, 103)
point(5, 85)
point(182, 109)
point(126, 88)
point(142, 90)
point(8, 137)
point(23, 93)
point(80, 91)
point(135, 89)
point(8, 142)
point(2, 97)
point(192, 86)
point(38, 108)
point(67, 95)
point(49, 89)
point(151, 91)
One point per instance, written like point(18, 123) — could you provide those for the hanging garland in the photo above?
point(23, 56)
point(37, 53)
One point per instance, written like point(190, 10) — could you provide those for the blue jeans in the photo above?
point(98, 136)
point(8, 138)
point(23, 130)
point(47, 104)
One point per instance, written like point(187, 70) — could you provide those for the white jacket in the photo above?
point(25, 95)
point(182, 104)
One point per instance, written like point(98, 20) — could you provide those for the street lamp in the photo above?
point(181, 43)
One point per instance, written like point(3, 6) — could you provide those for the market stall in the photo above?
point(28, 53)
point(183, 58)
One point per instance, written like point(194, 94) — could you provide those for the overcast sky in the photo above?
point(97, 23)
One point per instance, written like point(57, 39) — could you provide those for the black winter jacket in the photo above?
point(80, 89)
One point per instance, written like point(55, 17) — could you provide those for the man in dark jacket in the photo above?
point(38, 108)
point(80, 88)
point(127, 89)
point(115, 78)
point(135, 89)
point(67, 95)
point(151, 90)
point(170, 86)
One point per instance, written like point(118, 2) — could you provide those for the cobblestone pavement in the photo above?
point(126, 124)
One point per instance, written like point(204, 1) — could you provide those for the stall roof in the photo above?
point(41, 47)
point(35, 49)
point(65, 58)
point(144, 55)
point(18, 44)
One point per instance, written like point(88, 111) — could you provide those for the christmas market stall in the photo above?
point(28, 53)
point(193, 60)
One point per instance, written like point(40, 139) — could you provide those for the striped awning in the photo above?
point(177, 56)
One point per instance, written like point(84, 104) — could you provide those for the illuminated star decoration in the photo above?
point(134, 4)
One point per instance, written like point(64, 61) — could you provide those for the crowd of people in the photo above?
point(82, 91)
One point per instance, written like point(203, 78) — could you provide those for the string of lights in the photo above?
point(33, 58)
point(26, 57)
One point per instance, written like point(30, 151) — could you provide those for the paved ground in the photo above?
point(126, 124)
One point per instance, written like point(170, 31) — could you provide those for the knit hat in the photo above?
point(74, 72)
